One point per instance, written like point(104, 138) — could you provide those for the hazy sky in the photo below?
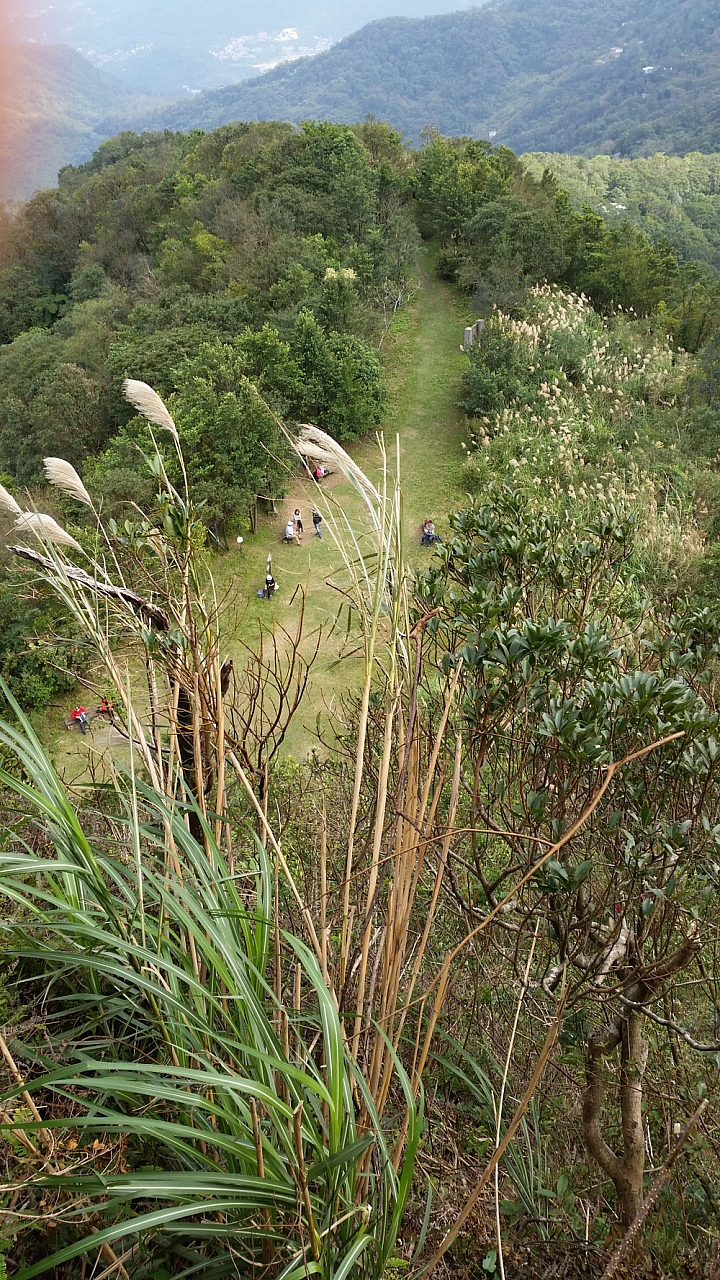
point(181, 46)
point(105, 22)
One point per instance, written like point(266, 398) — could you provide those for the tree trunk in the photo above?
point(626, 1170)
point(633, 1059)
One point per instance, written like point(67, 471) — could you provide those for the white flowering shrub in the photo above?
point(565, 403)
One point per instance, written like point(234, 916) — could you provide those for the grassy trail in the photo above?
point(423, 369)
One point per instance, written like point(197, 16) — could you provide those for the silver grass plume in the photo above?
point(46, 529)
point(64, 476)
point(8, 503)
point(148, 403)
point(317, 444)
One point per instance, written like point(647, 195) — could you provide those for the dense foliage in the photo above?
point(245, 274)
point(672, 197)
point(278, 246)
point(501, 231)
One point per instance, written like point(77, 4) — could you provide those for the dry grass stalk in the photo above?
point(302, 1175)
point(148, 403)
point(46, 529)
point(60, 473)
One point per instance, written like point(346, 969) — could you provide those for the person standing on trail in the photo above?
point(298, 522)
point(317, 521)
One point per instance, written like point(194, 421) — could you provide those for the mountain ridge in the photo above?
point(538, 75)
point(614, 77)
point(52, 106)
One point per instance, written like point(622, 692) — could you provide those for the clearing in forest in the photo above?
point(423, 368)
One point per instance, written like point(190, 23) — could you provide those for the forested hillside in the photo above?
point(664, 196)
point(259, 257)
point(537, 75)
point(52, 105)
point(253, 257)
point(435, 995)
point(616, 76)
point(174, 46)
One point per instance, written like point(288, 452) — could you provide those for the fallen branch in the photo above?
point(107, 589)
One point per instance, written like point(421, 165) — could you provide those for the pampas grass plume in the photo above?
point(317, 444)
point(46, 528)
point(65, 477)
point(148, 403)
point(8, 503)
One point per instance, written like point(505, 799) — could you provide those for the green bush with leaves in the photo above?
point(165, 243)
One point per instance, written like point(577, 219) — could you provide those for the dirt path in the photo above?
point(423, 368)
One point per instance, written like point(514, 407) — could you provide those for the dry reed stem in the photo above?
point(380, 807)
point(439, 878)
point(220, 759)
point(116, 1264)
point(501, 1099)
point(20, 1134)
point(44, 1133)
point(658, 1183)
point(302, 1178)
point(500, 1150)
point(405, 883)
point(357, 786)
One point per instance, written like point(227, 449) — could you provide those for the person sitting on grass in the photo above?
point(270, 586)
point(428, 534)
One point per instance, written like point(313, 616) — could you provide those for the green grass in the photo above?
point(423, 366)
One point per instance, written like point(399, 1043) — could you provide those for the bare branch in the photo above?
point(107, 589)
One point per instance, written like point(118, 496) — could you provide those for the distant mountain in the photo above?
point(180, 46)
point(624, 77)
point(52, 103)
point(665, 196)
